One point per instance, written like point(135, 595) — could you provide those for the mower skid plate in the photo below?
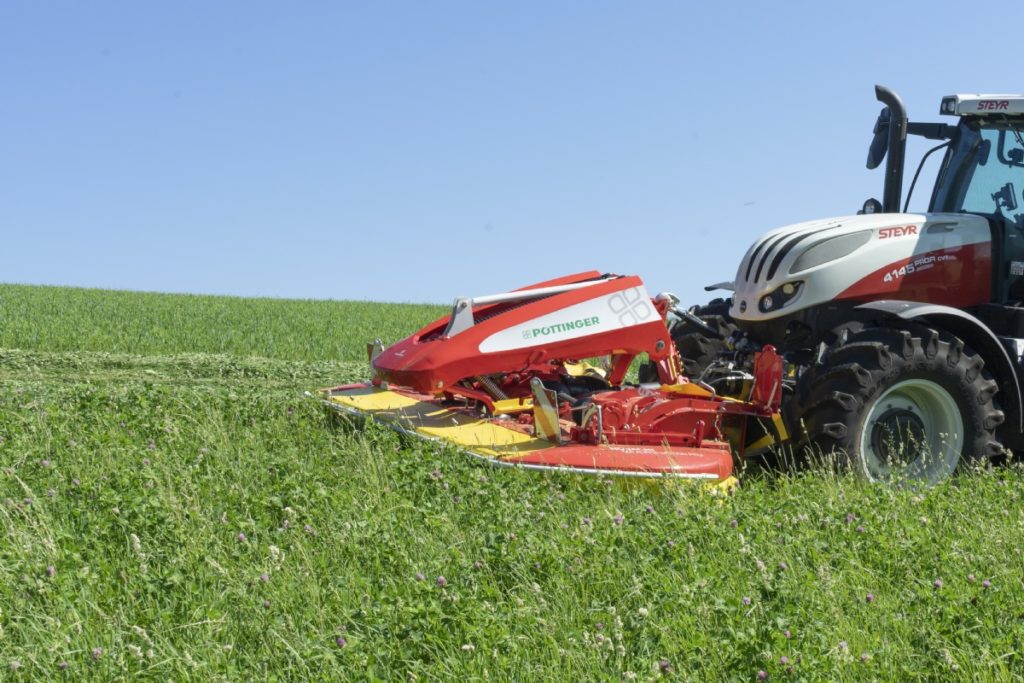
point(428, 418)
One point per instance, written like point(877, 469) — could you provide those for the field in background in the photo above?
point(172, 507)
point(71, 319)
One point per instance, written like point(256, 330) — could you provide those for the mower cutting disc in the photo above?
point(501, 442)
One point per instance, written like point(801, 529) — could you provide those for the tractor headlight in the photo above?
point(780, 297)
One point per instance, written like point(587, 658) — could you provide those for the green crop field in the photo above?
point(174, 508)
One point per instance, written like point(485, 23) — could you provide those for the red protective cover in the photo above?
point(429, 362)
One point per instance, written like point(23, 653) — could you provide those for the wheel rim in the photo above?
point(913, 429)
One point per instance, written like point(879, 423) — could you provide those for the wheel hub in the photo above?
point(898, 436)
point(914, 430)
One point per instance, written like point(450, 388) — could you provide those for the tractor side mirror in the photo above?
point(879, 143)
point(984, 149)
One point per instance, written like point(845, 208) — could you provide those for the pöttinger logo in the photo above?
point(556, 328)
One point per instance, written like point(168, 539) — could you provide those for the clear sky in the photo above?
point(422, 150)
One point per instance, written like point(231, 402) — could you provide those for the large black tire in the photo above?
point(900, 403)
point(697, 349)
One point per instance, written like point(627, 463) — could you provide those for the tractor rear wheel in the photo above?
point(697, 347)
point(900, 403)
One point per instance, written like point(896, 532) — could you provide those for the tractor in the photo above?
point(903, 332)
point(889, 339)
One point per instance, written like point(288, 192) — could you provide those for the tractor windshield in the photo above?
point(984, 170)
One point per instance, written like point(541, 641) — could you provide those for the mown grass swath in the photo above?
point(173, 513)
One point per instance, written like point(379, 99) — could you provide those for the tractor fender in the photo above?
point(976, 334)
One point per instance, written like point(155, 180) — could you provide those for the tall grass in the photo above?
point(194, 517)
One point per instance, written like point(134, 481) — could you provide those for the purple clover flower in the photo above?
point(986, 584)
point(51, 571)
point(420, 576)
point(870, 597)
point(618, 519)
point(97, 652)
point(441, 582)
point(340, 641)
point(762, 675)
point(242, 538)
point(937, 584)
point(783, 659)
point(746, 600)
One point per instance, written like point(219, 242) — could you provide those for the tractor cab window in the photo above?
point(984, 171)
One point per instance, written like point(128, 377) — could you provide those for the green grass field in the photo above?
point(173, 508)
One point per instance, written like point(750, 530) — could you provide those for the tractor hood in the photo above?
point(865, 257)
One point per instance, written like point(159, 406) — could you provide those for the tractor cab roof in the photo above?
point(982, 105)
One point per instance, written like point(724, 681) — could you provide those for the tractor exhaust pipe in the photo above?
point(897, 145)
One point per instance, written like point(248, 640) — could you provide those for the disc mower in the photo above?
point(890, 340)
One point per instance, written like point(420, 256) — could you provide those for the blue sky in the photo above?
point(419, 151)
